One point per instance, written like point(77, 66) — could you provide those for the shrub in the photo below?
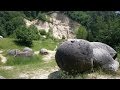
point(43, 17)
point(14, 23)
point(35, 32)
point(24, 36)
point(42, 32)
point(81, 33)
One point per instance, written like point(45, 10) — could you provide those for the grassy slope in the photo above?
point(25, 64)
point(8, 43)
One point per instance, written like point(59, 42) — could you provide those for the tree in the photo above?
point(12, 24)
point(35, 32)
point(24, 36)
point(81, 33)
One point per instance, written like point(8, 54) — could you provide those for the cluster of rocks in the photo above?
point(27, 52)
point(78, 55)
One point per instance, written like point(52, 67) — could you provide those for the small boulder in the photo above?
point(43, 51)
point(27, 49)
point(1, 37)
point(25, 54)
point(13, 52)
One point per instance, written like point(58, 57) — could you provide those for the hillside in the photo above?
point(61, 25)
point(41, 33)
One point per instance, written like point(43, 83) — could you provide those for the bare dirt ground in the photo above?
point(52, 73)
point(37, 74)
point(3, 59)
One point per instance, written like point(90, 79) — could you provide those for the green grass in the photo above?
point(25, 64)
point(26, 67)
point(8, 43)
point(35, 63)
point(23, 60)
point(47, 43)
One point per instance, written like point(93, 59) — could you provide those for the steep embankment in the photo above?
point(60, 24)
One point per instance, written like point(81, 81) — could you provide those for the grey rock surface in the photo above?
point(113, 67)
point(25, 54)
point(43, 51)
point(13, 52)
point(75, 55)
point(27, 49)
point(78, 55)
point(101, 57)
point(106, 47)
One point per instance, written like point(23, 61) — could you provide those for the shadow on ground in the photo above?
point(62, 75)
point(55, 75)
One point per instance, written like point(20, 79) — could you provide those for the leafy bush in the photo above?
point(42, 32)
point(43, 17)
point(81, 33)
point(35, 32)
point(24, 36)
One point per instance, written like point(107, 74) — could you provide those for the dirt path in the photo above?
point(3, 59)
point(37, 74)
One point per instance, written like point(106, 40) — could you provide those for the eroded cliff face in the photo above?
point(60, 24)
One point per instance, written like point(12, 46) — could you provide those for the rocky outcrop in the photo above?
point(27, 52)
point(60, 24)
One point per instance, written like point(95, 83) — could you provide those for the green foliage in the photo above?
point(43, 17)
point(35, 32)
point(24, 36)
point(2, 31)
point(9, 21)
point(43, 32)
point(81, 33)
point(102, 26)
point(8, 43)
point(79, 16)
point(23, 60)
point(31, 14)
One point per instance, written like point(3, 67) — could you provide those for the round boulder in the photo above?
point(27, 49)
point(13, 52)
point(106, 47)
point(75, 56)
point(43, 51)
point(103, 59)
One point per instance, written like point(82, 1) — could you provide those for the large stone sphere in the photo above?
point(104, 46)
point(103, 59)
point(75, 56)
